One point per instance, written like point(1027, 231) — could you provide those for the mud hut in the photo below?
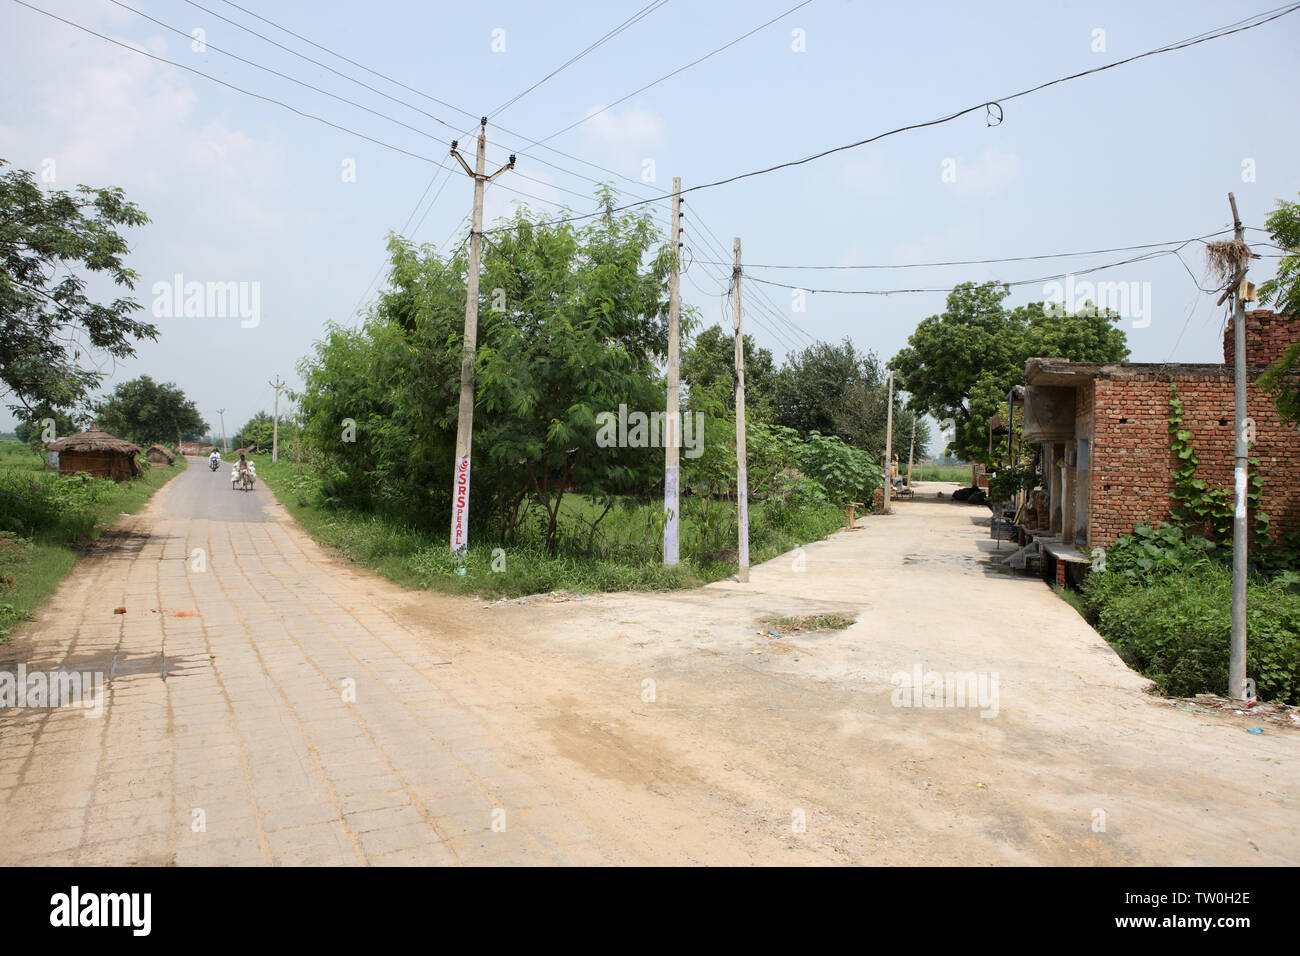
point(98, 454)
point(160, 455)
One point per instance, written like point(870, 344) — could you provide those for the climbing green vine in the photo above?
point(1198, 507)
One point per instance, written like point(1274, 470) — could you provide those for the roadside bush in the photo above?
point(1150, 553)
point(1175, 629)
point(33, 504)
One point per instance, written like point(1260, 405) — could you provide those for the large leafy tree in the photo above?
point(50, 243)
point(31, 428)
point(260, 430)
point(146, 411)
point(813, 388)
point(572, 323)
point(960, 365)
point(1283, 292)
point(838, 390)
point(709, 370)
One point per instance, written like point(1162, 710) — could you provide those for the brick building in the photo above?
point(1104, 434)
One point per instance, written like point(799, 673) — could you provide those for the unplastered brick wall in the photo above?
point(1132, 462)
point(1267, 336)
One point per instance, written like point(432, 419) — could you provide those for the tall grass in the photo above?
point(622, 553)
point(46, 519)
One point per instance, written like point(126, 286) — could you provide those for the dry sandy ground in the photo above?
point(1079, 765)
point(626, 728)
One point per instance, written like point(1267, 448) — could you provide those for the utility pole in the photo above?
point(465, 418)
point(225, 446)
point(911, 449)
point(297, 441)
point(671, 458)
point(275, 421)
point(742, 480)
point(1237, 644)
point(889, 442)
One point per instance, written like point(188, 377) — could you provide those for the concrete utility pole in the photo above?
point(742, 479)
point(225, 447)
point(297, 441)
point(672, 525)
point(889, 442)
point(275, 422)
point(911, 450)
point(1241, 467)
point(465, 418)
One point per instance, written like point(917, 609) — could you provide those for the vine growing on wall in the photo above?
point(1198, 507)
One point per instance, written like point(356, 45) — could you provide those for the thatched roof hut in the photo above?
point(97, 453)
point(160, 455)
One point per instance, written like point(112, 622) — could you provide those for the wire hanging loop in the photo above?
point(989, 114)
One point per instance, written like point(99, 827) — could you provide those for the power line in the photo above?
point(268, 99)
point(308, 59)
point(399, 83)
point(988, 105)
point(978, 262)
point(636, 17)
point(1019, 282)
point(324, 49)
point(352, 80)
point(231, 86)
point(668, 76)
point(284, 76)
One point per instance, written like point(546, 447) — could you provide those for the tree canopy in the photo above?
point(838, 390)
point(145, 411)
point(1283, 292)
point(708, 367)
point(960, 365)
point(49, 325)
point(572, 323)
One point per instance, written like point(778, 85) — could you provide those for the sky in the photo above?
point(296, 212)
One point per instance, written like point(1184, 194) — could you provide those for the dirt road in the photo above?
point(270, 704)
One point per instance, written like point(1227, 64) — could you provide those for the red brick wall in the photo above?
point(1132, 465)
point(1267, 336)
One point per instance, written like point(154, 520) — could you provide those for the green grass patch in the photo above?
point(46, 520)
point(623, 551)
point(957, 473)
point(807, 623)
point(1176, 630)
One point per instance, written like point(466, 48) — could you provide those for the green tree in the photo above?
point(49, 326)
point(837, 390)
point(1283, 291)
point(709, 369)
point(820, 390)
point(259, 430)
point(572, 324)
point(30, 428)
point(960, 365)
point(145, 411)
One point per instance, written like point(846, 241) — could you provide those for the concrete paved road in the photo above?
point(203, 494)
point(261, 709)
